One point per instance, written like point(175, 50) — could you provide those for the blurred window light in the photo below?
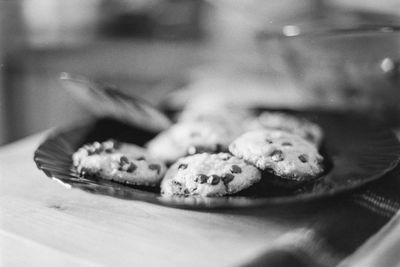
point(54, 22)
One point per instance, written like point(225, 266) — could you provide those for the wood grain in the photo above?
point(43, 223)
point(41, 215)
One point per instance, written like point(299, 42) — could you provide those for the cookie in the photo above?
point(120, 162)
point(283, 154)
point(209, 175)
point(191, 137)
point(288, 123)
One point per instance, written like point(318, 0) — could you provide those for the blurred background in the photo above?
point(149, 48)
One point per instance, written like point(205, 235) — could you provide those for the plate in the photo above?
point(356, 150)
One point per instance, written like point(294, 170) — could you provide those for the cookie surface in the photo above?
point(288, 123)
point(209, 175)
point(283, 154)
point(121, 162)
point(191, 137)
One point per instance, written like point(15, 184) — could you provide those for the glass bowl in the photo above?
point(345, 69)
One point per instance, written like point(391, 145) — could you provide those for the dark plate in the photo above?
point(357, 152)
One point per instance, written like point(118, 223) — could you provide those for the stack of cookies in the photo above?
point(212, 152)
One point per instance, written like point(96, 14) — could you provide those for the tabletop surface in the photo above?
point(43, 223)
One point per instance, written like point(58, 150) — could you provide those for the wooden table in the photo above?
point(44, 224)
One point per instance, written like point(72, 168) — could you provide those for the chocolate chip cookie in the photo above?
point(283, 154)
point(288, 123)
point(121, 162)
point(209, 175)
point(186, 138)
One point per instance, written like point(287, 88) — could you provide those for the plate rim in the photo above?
point(160, 200)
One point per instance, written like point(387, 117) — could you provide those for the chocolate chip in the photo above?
point(225, 157)
point(201, 178)
point(248, 162)
point(116, 144)
point(90, 152)
point(227, 177)
point(303, 158)
point(141, 158)
point(155, 167)
point(235, 169)
point(287, 144)
point(277, 155)
point(108, 150)
point(213, 179)
point(182, 166)
point(132, 167)
point(269, 141)
point(186, 191)
point(176, 183)
point(123, 160)
point(310, 137)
